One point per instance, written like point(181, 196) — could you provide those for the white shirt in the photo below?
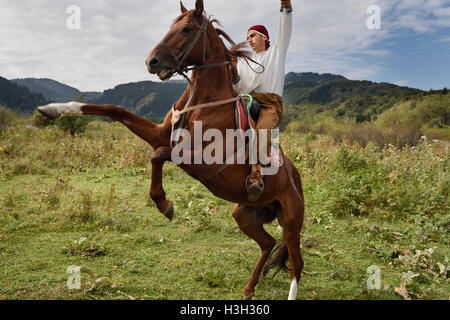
point(273, 60)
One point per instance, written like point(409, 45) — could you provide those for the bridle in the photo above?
point(179, 60)
point(177, 115)
point(181, 57)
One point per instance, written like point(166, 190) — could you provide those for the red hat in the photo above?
point(260, 29)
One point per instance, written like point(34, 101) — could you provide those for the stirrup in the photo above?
point(254, 189)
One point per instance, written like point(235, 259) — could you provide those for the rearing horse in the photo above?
point(193, 41)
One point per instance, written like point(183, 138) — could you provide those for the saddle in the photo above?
point(246, 107)
point(247, 111)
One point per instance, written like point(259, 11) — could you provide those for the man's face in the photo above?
point(256, 41)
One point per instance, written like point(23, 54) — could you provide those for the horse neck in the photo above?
point(210, 84)
point(214, 83)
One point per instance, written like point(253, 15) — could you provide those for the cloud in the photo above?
point(401, 82)
point(420, 16)
point(116, 36)
point(444, 39)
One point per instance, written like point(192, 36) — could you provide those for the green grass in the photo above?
point(364, 206)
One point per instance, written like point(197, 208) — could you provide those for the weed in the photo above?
point(84, 248)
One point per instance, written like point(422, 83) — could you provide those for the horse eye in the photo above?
point(186, 29)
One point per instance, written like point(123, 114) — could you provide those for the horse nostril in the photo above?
point(154, 62)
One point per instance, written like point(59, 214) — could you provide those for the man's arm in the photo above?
point(285, 26)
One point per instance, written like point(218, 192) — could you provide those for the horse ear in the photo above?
point(183, 9)
point(199, 7)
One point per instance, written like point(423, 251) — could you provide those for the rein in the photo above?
point(179, 60)
point(177, 115)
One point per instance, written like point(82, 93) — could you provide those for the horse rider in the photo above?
point(266, 85)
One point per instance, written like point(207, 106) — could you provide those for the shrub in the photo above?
point(41, 121)
point(73, 124)
point(350, 195)
point(7, 118)
point(437, 133)
point(350, 161)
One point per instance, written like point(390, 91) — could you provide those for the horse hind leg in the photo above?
point(56, 110)
point(292, 220)
point(248, 221)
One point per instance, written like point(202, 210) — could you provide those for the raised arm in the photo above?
point(285, 26)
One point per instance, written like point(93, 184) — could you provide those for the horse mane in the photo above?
point(237, 50)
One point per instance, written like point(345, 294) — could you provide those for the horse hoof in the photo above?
point(168, 213)
point(48, 111)
point(249, 297)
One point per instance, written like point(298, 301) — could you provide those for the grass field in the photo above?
point(83, 200)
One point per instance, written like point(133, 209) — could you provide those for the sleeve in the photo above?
point(284, 32)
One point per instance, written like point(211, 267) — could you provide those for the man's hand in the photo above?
point(286, 4)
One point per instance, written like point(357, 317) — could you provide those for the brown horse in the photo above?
point(194, 41)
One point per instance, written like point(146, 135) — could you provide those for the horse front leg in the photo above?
point(157, 192)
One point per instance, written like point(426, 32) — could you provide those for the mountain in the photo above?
point(54, 90)
point(316, 88)
point(153, 99)
point(309, 79)
point(19, 98)
point(145, 98)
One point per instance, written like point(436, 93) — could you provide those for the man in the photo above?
point(265, 84)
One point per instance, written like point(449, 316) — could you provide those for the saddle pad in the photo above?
point(241, 117)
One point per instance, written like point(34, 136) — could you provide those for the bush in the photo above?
point(73, 124)
point(41, 121)
point(437, 133)
point(350, 161)
point(7, 118)
point(351, 195)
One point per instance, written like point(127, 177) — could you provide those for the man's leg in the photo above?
point(269, 118)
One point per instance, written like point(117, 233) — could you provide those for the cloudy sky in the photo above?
point(411, 48)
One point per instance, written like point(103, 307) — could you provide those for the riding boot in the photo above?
point(255, 183)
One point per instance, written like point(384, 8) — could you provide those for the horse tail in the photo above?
point(278, 258)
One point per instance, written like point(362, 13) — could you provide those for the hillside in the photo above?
point(19, 98)
point(54, 90)
point(360, 99)
point(316, 88)
point(397, 118)
point(145, 98)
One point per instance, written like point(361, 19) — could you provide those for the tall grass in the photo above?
point(385, 182)
point(366, 204)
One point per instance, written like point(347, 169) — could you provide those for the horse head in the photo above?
point(183, 45)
